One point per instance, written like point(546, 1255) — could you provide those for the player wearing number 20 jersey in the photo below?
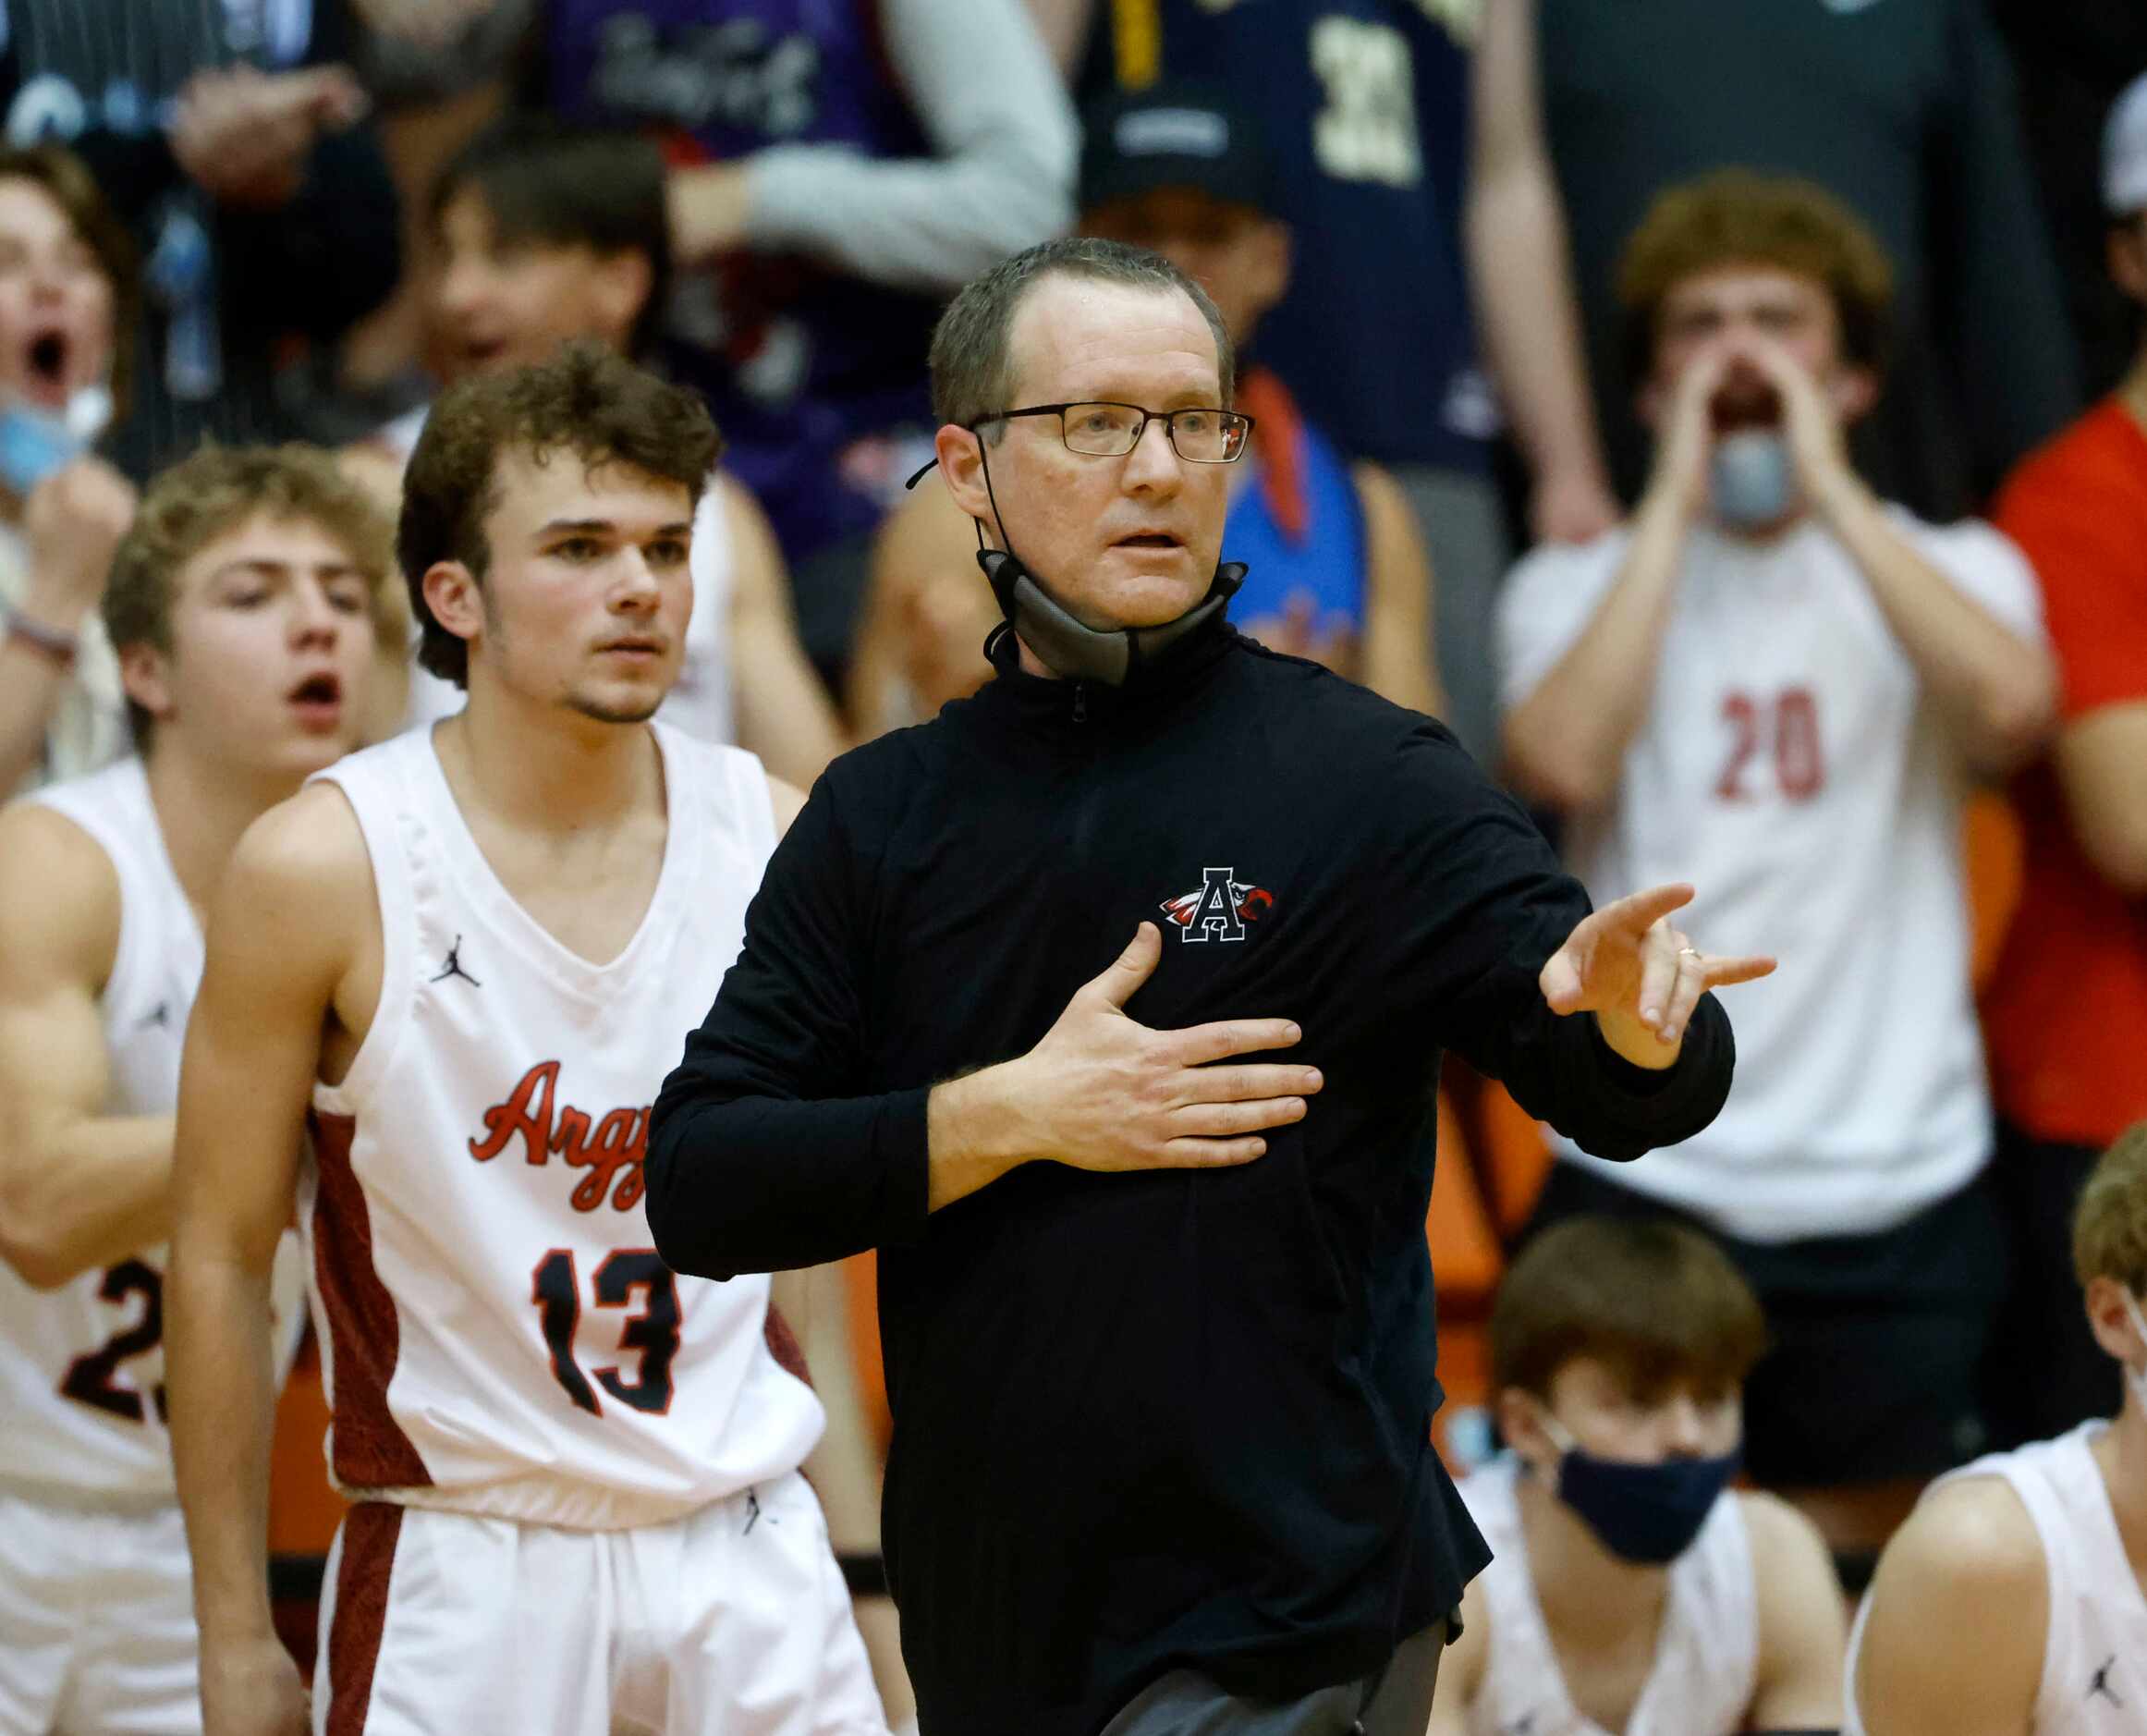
point(1774, 684)
point(244, 601)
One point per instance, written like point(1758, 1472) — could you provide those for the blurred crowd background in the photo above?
point(1473, 252)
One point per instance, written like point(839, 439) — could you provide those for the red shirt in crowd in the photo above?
point(2066, 1008)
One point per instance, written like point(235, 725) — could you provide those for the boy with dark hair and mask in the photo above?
point(1775, 684)
point(1630, 1589)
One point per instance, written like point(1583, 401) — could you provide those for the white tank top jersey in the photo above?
point(1790, 768)
point(82, 1366)
point(1706, 1666)
point(2094, 1650)
point(699, 700)
point(499, 1334)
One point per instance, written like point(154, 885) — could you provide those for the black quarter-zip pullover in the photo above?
point(1172, 1417)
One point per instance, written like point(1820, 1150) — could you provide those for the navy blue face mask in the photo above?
point(1648, 1513)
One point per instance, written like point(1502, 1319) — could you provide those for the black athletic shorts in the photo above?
point(1876, 1343)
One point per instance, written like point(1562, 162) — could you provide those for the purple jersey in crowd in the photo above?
point(817, 379)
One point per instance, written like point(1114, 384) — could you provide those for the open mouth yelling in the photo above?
point(45, 367)
point(317, 700)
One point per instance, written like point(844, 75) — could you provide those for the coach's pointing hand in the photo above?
point(1104, 1092)
point(1638, 975)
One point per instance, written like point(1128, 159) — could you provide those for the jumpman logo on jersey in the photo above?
point(1522, 1726)
point(2101, 1684)
point(162, 1017)
point(453, 967)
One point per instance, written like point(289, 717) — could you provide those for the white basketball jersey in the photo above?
point(1791, 769)
point(2094, 1650)
point(699, 700)
point(1706, 1665)
point(499, 1334)
point(81, 1367)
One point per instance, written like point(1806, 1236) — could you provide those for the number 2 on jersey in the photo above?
point(556, 1292)
point(89, 1378)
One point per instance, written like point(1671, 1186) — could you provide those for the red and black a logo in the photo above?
point(1220, 907)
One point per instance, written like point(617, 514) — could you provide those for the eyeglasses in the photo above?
point(1110, 431)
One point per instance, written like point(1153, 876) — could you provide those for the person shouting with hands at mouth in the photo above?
point(1155, 1293)
point(68, 288)
point(1777, 685)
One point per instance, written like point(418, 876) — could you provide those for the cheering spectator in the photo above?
point(67, 291)
point(229, 142)
point(548, 233)
point(1905, 109)
point(1336, 571)
point(1364, 104)
point(842, 168)
point(2067, 1002)
point(1775, 684)
point(1629, 1587)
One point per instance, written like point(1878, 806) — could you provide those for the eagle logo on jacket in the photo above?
point(1219, 907)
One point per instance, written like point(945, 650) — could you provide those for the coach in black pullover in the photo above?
point(1168, 1417)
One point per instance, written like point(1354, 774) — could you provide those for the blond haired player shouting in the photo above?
point(246, 603)
point(461, 960)
point(2014, 1601)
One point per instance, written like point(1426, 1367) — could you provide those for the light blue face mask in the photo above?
point(1753, 480)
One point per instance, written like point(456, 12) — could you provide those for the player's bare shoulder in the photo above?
point(297, 905)
point(60, 898)
point(306, 851)
point(1779, 1533)
point(1975, 1529)
point(1957, 1616)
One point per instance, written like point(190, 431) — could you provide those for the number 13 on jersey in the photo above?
point(556, 1290)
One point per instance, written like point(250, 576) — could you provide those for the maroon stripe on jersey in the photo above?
point(369, 1531)
point(370, 1449)
point(783, 1346)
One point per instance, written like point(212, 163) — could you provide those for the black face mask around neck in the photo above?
point(1072, 648)
point(1081, 653)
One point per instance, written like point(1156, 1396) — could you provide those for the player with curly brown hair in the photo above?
point(458, 961)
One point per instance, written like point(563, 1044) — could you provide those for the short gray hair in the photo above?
point(972, 363)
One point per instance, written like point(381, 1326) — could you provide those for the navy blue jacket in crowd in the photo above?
point(1170, 1417)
